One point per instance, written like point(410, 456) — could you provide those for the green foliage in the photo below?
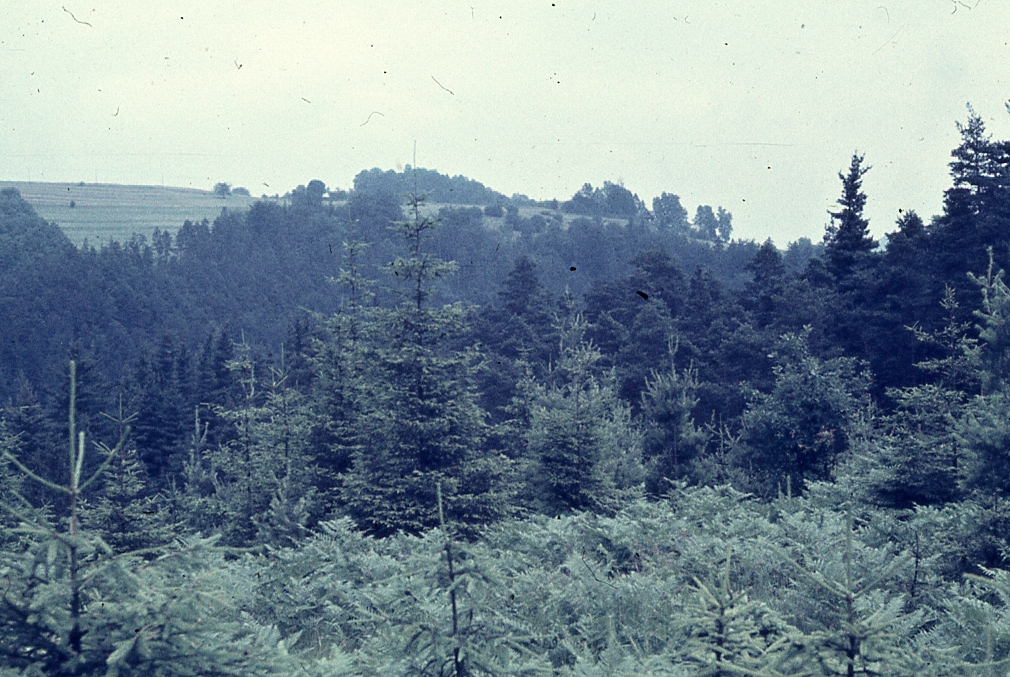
point(437, 187)
point(583, 451)
point(669, 214)
point(732, 634)
point(262, 481)
point(972, 636)
point(123, 514)
point(72, 606)
point(920, 458)
point(713, 227)
point(801, 428)
point(985, 433)
point(419, 423)
point(611, 200)
point(959, 361)
point(994, 330)
point(848, 235)
point(859, 626)
point(672, 443)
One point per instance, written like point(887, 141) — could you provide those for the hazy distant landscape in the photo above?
point(358, 410)
point(647, 339)
point(110, 211)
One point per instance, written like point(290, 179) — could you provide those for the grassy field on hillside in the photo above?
point(104, 211)
point(109, 211)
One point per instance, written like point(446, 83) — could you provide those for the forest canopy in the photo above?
point(418, 427)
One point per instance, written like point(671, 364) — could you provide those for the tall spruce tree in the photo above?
point(517, 328)
point(419, 421)
point(338, 356)
point(847, 238)
point(921, 459)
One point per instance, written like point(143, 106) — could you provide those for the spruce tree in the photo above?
point(124, 514)
point(338, 357)
point(847, 238)
point(672, 443)
point(972, 634)
point(731, 634)
point(583, 451)
point(976, 170)
point(763, 295)
point(261, 483)
point(516, 329)
point(801, 428)
point(419, 421)
point(865, 631)
point(71, 607)
point(921, 460)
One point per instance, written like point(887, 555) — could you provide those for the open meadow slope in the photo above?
point(110, 211)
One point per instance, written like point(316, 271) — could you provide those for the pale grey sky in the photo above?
point(752, 106)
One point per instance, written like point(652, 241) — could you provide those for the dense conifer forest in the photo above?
point(418, 427)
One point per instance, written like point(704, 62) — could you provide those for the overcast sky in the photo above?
point(752, 106)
